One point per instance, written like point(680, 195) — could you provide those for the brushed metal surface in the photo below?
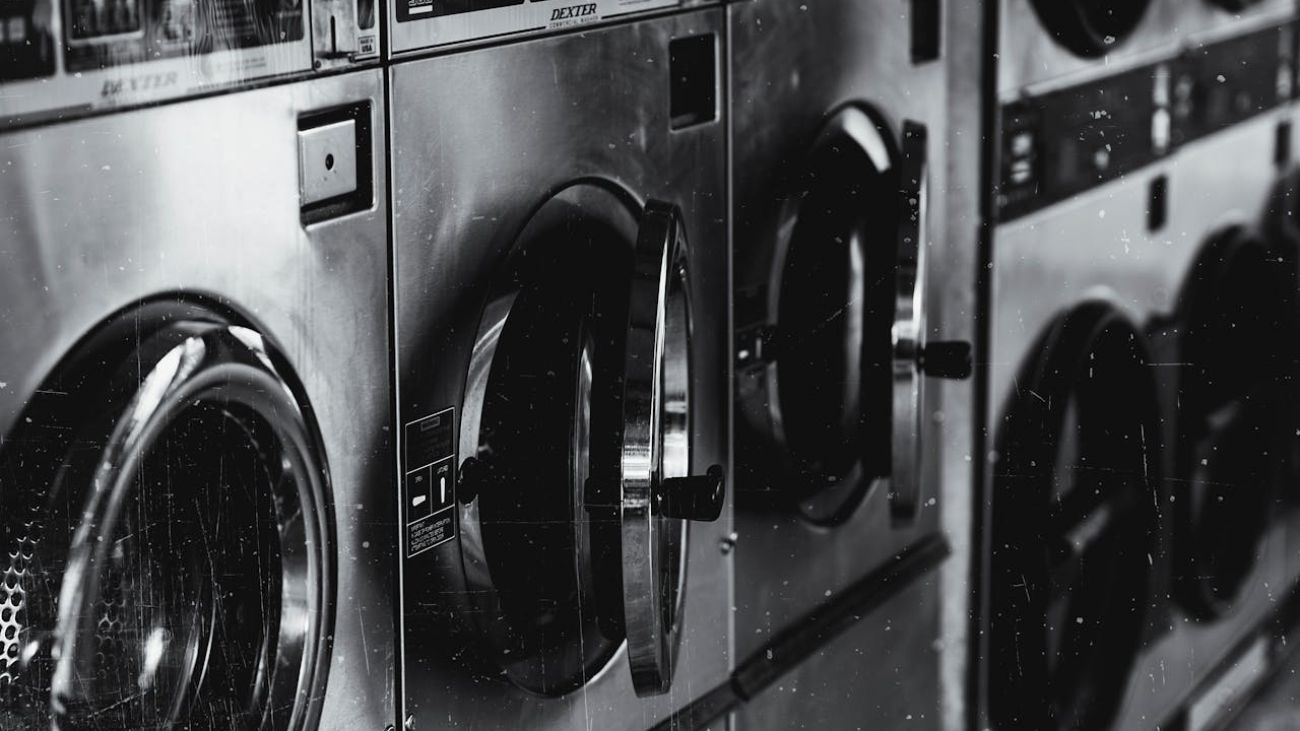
point(793, 64)
point(479, 141)
point(1098, 244)
point(953, 303)
point(102, 212)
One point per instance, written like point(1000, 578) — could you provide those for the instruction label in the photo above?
point(429, 481)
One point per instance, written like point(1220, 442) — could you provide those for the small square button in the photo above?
point(419, 500)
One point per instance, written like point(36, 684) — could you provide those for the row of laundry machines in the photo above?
point(646, 364)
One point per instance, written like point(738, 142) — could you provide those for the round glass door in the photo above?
point(1072, 525)
point(1234, 350)
point(577, 417)
point(542, 418)
point(834, 304)
point(168, 564)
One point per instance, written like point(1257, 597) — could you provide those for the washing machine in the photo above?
point(1129, 508)
point(198, 526)
point(850, 305)
point(560, 284)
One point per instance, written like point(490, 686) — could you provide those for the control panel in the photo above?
point(26, 40)
point(1061, 143)
point(416, 25)
point(61, 58)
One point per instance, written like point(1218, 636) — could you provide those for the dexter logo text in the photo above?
point(573, 11)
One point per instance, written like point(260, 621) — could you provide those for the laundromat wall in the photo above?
point(633, 365)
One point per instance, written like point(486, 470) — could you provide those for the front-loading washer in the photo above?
point(1127, 552)
point(561, 305)
point(195, 474)
point(849, 299)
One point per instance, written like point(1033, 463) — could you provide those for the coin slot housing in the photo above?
point(693, 85)
point(335, 162)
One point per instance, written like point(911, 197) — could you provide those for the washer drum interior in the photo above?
point(166, 537)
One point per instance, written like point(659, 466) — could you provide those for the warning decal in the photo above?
point(429, 482)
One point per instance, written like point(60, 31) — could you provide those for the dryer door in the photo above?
point(842, 398)
point(1072, 525)
point(658, 490)
point(542, 417)
point(578, 414)
point(1235, 352)
point(829, 387)
point(166, 538)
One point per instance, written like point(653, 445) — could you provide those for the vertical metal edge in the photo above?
point(957, 239)
point(399, 603)
point(724, 104)
point(976, 711)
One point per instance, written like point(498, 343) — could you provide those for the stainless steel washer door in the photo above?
point(542, 419)
point(578, 414)
point(167, 538)
point(829, 390)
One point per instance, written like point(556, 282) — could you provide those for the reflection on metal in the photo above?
point(657, 423)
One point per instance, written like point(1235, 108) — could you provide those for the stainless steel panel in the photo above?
point(105, 211)
point(479, 141)
point(953, 310)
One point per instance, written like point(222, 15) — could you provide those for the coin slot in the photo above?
point(335, 162)
point(1282, 144)
point(926, 16)
point(1157, 203)
point(693, 86)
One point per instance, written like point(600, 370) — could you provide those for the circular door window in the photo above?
point(1072, 525)
point(577, 414)
point(1234, 345)
point(543, 417)
point(834, 306)
point(167, 539)
point(1090, 27)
